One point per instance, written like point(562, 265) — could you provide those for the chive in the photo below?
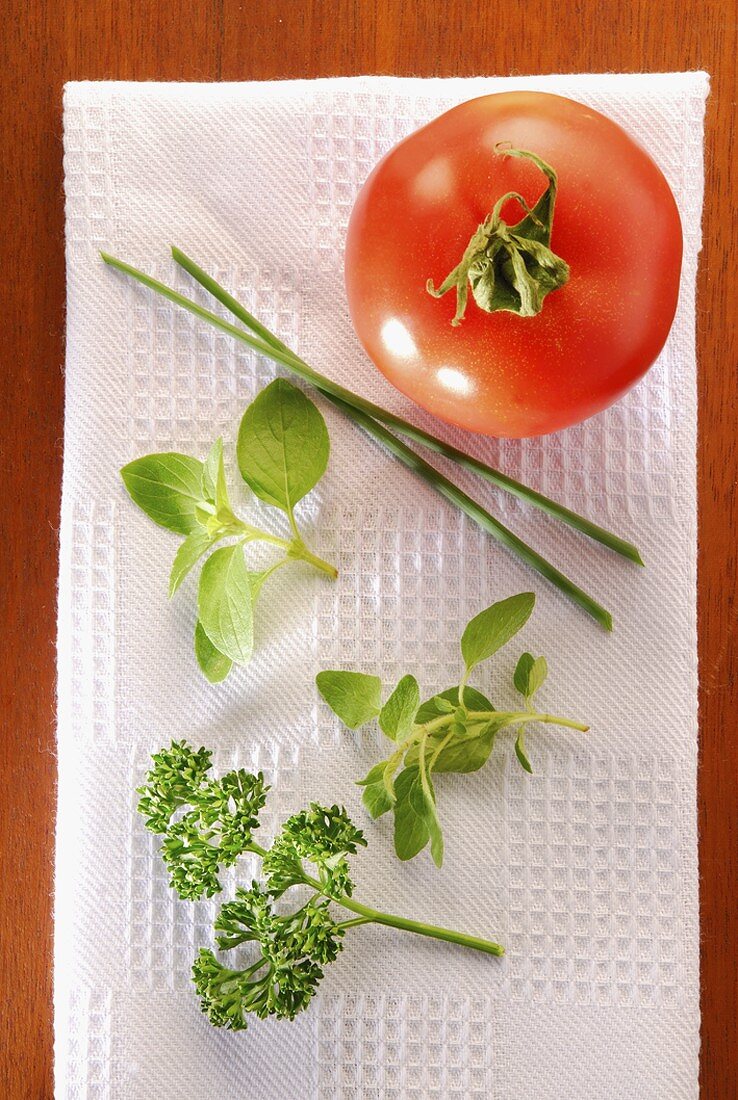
point(404, 427)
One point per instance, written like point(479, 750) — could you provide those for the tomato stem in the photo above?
point(509, 268)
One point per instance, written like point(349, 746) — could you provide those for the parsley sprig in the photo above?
point(282, 453)
point(206, 824)
point(454, 731)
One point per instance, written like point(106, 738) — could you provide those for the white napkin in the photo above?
point(587, 870)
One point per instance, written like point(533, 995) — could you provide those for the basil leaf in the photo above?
point(167, 487)
point(447, 702)
point(530, 674)
point(411, 831)
point(225, 605)
point(189, 553)
point(210, 470)
point(493, 628)
point(353, 696)
point(397, 714)
point(283, 445)
point(213, 663)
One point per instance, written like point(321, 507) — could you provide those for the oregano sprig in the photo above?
point(207, 823)
point(453, 731)
point(282, 453)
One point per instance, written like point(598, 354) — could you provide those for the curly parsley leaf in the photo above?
point(322, 836)
point(174, 781)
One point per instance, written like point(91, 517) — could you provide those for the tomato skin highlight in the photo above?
point(616, 224)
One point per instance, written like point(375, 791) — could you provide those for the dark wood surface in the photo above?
point(46, 42)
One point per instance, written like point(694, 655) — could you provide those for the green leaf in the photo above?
point(467, 753)
point(530, 674)
point(411, 830)
point(225, 605)
point(520, 751)
point(283, 445)
point(423, 801)
point(167, 487)
point(493, 628)
point(353, 696)
point(397, 714)
point(214, 664)
point(257, 580)
point(210, 469)
point(376, 796)
point(187, 556)
point(447, 702)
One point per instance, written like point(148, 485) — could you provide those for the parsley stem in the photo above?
point(355, 923)
point(368, 915)
point(374, 916)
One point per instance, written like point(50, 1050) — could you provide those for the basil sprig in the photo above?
point(282, 453)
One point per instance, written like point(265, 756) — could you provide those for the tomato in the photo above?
point(615, 224)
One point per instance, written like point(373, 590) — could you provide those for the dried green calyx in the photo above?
point(510, 267)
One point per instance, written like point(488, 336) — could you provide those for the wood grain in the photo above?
point(47, 43)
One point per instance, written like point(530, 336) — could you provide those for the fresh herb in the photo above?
point(207, 824)
point(453, 731)
point(372, 419)
point(282, 453)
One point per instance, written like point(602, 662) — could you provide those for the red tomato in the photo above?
point(615, 223)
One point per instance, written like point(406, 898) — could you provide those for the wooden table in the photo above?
point(50, 42)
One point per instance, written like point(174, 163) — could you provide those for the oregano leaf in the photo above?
point(397, 714)
point(530, 674)
point(520, 751)
point(376, 797)
point(353, 696)
point(210, 469)
point(494, 627)
point(446, 702)
point(411, 831)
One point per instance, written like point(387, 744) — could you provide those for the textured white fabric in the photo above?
point(587, 870)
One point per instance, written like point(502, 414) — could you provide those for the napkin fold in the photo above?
point(586, 870)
